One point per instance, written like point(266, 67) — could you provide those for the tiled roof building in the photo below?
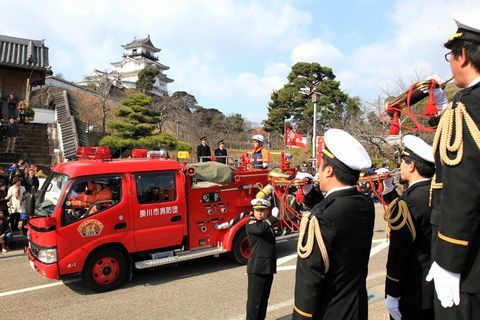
point(23, 53)
point(23, 64)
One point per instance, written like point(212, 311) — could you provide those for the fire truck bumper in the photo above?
point(47, 270)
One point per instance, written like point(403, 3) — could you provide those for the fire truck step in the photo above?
point(189, 255)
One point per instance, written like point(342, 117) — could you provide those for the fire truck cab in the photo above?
point(100, 218)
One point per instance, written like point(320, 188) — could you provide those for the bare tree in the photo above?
point(103, 84)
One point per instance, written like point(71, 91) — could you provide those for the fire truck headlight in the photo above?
point(47, 255)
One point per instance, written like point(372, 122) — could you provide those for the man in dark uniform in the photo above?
point(335, 239)
point(203, 150)
point(263, 263)
point(456, 186)
point(221, 153)
point(408, 295)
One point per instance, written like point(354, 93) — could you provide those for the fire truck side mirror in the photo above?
point(30, 207)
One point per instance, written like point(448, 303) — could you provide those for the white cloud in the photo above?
point(421, 28)
point(277, 69)
point(201, 41)
point(317, 50)
point(229, 53)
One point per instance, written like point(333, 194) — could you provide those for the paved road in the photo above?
point(209, 288)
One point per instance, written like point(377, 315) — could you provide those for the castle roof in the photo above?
point(144, 42)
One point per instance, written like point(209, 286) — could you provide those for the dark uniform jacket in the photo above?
point(409, 260)
point(456, 207)
point(221, 153)
point(262, 237)
point(203, 151)
point(12, 130)
point(346, 220)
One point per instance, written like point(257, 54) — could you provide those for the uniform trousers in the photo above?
point(11, 144)
point(468, 309)
point(259, 286)
point(424, 314)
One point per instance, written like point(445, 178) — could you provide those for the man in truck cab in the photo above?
point(101, 192)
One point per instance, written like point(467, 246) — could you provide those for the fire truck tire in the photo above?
point(105, 270)
point(241, 248)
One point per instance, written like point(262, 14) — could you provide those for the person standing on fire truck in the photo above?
point(335, 239)
point(263, 262)
point(260, 155)
point(203, 150)
point(221, 153)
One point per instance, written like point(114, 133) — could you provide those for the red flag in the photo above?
point(293, 139)
point(320, 146)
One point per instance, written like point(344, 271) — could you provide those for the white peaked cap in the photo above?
point(303, 175)
point(467, 20)
point(260, 203)
point(419, 147)
point(347, 150)
point(382, 170)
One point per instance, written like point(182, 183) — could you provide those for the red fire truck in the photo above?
point(156, 212)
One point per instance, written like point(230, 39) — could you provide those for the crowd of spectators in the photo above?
point(16, 182)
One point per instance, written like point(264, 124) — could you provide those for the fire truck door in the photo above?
point(89, 215)
point(159, 210)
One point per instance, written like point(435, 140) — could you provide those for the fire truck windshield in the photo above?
point(50, 193)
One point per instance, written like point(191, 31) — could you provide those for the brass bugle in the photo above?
point(417, 94)
point(445, 83)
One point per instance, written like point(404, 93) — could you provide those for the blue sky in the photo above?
point(232, 54)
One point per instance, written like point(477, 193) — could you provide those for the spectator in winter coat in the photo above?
point(16, 198)
point(12, 132)
point(5, 233)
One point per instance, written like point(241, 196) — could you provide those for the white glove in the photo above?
point(275, 212)
point(435, 77)
point(447, 285)
point(265, 165)
point(392, 306)
point(439, 94)
point(441, 99)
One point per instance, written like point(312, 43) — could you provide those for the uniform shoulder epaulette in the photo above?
point(451, 126)
point(310, 227)
point(398, 215)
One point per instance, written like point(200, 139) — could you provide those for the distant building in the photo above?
point(139, 54)
point(20, 60)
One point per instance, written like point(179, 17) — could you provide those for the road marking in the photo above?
point(383, 244)
point(286, 259)
point(372, 297)
point(378, 248)
point(22, 255)
point(43, 286)
point(285, 268)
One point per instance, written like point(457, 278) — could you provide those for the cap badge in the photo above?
point(455, 35)
point(328, 153)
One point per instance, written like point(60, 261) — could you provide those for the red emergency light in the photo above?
point(100, 153)
point(139, 153)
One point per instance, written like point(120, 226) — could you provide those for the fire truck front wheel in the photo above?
point(241, 248)
point(106, 269)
